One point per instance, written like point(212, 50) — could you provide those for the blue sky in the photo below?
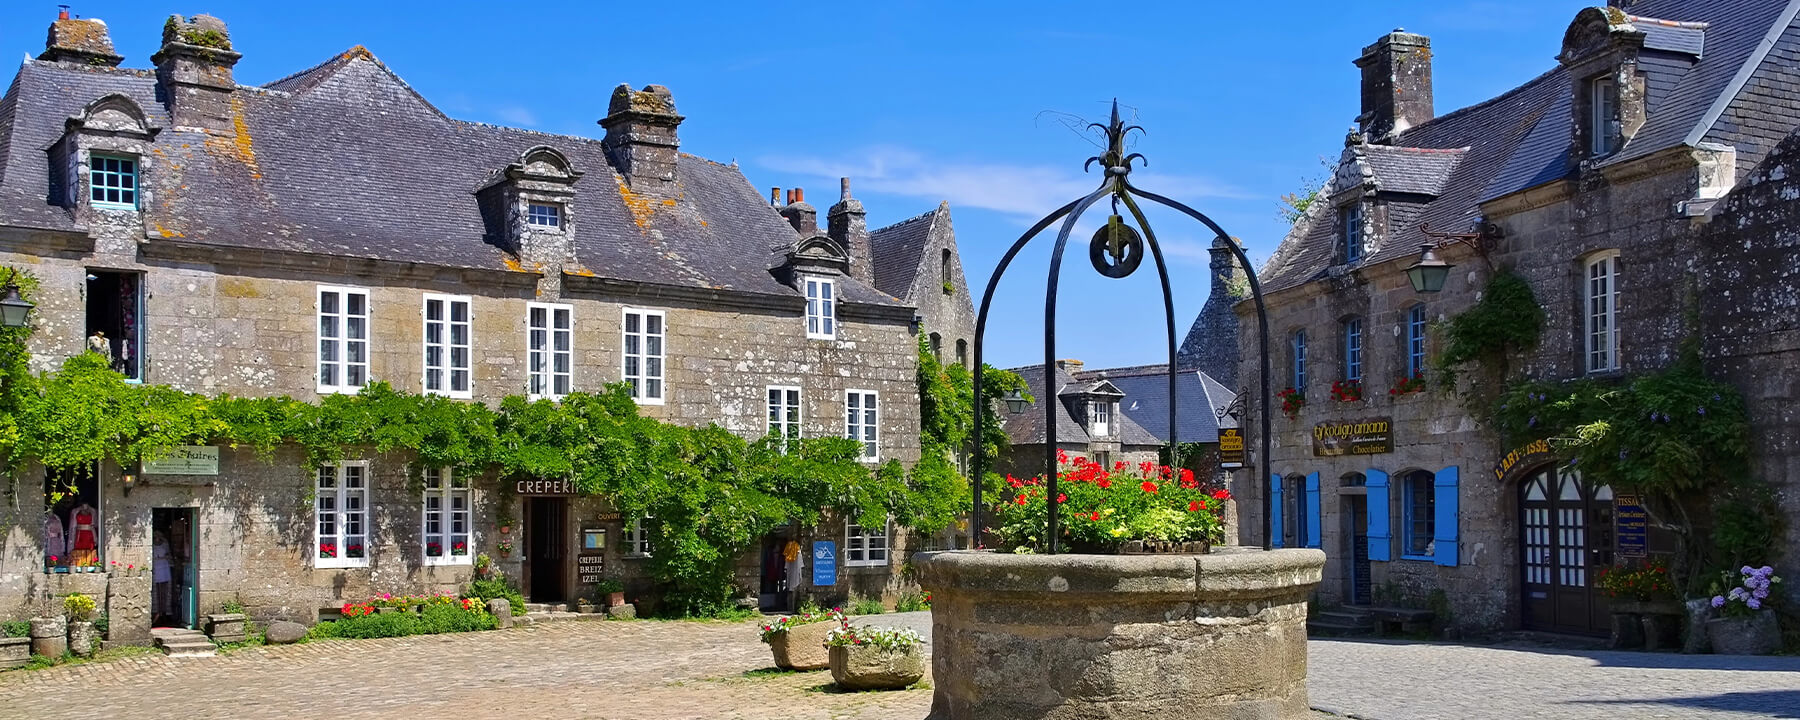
point(921, 102)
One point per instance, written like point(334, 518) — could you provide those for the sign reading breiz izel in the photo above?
point(546, 487)
point(1353, 437)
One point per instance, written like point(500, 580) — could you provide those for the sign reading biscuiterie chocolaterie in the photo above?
point(1353, 437)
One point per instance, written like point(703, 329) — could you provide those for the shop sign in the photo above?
point(186, 460)
point(1632, 526)
point(1231, 448)
point(591, 563)
point(1353, 437)
point(824, 563)
point(545, 487)
point(1524, 458)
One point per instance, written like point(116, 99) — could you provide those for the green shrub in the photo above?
point(324, 630)
point(101, 624)
point(435, 619)
point(911, 602)
point(15, 628)
point(379, 625)
point(79, 607)
point(498, 587)
point(866, 606)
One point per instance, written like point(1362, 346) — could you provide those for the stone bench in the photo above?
point(1394, 620)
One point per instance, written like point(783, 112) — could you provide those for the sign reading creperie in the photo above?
point(545, 487)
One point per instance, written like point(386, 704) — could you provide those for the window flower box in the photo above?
point(1407, 385)
point(1291, 402)
point(1347, 391)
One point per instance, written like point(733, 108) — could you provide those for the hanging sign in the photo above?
point(824, 563)
point(186, 460)
point(1231, 448)
point(1632, 526)
point(1353, 437)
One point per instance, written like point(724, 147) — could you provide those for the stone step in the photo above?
point(546, 607)
point(1345, 617)
point(186, 646)
point(557, 616)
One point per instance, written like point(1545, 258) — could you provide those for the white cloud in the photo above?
point(1024, 191)
point(515, 115)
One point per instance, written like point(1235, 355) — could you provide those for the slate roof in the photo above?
point(900, 250)
point(345, 159)
point(1146, 401)
point(1719, 71)
point(1027, 428)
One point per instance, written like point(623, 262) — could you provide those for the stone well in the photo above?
point(1053, 637)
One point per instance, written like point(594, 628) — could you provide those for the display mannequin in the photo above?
point(55, 545)
point(97, 342)
point(83, 541)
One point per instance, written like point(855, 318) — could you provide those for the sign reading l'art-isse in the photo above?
point(1353, 437)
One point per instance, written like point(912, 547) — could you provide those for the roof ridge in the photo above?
point(1495, 100)
point(1442, 151)
point(913, 219)
point(1689, 24)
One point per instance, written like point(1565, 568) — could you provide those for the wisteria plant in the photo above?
point(1754, 591)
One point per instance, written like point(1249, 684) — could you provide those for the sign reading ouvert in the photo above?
point(1353, 437)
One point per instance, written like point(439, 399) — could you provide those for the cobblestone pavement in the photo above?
point(1420, 681)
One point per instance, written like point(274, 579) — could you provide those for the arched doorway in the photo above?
point(1566, 537)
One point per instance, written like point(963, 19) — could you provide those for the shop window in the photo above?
point(643, 342)
point(1600, 293)
point(115, 320)
point(549, 349)
point(862, 421)
point(1419, 522)
point(866, 547)
point(445, 506)
point(343, 339)
point(72, 521)
point(341, 506)
point(447, 356)
point(821, 308)
point(637, 544)
point(784, 416)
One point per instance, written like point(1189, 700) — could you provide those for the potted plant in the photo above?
point(612, 589)
point(79, 608)
point(1291, 402)
point(1125, 509)
point(798, 640)
point(1408, 385)
point(1347, 391)
point(1749, 626)
point(875, 658)
point(504, 546)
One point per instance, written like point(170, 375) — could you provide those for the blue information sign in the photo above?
point(824, 562)
point(1633, 526)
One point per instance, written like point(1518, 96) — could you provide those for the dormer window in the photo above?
point(1351, 237)
point(543, 215)
point(1100, 416)
point(113, 182)
point(1603, 116)
point(821, 309)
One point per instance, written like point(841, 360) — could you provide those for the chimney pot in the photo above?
point(774, 196)
point(847, 224)
point(843, 188)
point(194, 69)
point(62, 12)
point(799, 195)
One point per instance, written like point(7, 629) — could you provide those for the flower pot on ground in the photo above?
point(875, 658)
point(798, 641)
point(587, 608)
point(1758, 634)
point(612, 590)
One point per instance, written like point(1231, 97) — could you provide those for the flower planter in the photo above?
point(1758, 634)
point(587, 608)
point(866, 667)
point(615, 599)
point(81, 638)
point(49, 636)
point(1153, 547)
point(1213, 636)
point(802, 647)
point(14, 652)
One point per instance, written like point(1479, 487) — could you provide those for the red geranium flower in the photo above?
point(1094, 517)
point(1195, 506)
point(1061, 498)
point(1148, 486)
point(1103, 483)
point(1020, 500)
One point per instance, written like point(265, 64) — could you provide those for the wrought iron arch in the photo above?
point(1115, 251)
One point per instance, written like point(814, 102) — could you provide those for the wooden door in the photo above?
point(1566, 536)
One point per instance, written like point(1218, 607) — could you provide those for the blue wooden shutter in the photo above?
point(1275, 511)
point(1381, 539)
point(1445, 535)
point(1314, 531)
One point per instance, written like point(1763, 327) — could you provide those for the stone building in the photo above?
point(906, 254)
point(334, 228)
point(1614, 185)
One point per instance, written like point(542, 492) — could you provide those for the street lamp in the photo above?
point(1015, 402)
point(1428, 274)
point(14, 309)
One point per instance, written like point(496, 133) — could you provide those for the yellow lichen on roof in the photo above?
point(239, 146)
point(512, 263)
point(584, 272)
point(358, 52)
point(639, 206)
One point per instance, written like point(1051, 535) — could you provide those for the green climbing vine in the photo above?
point(947, 427)
point(1506, 320)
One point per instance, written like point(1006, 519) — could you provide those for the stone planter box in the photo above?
point(871, 668)
point(1758, 634)
point(225, 627)
point(49, 636)
point(802, 647)
point(81, 638)
point(14, 652)
point(1060, 637)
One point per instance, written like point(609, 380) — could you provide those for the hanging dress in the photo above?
point(83, 547)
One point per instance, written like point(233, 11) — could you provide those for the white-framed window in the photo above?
point(1352, 235)
point(1353, 359)
point(1603, 119)
point(862, 420)
point(1415, 341)
point(637, 544)
point(447, 353)
point(547, 215)
point(1100, 418)
point(866, 547)
point(1299, 371)
point(1600, 293)
point(784, 414)
point(549, 350)
point(343, 339)
point(645, 331)
point(821, 308)
point(112, 182)
point(445, 511)
point(341, 516)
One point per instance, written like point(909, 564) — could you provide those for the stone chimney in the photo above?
point(1396, 85)
point(801, 215)
point(849, 226)
point(1211, 345)
point(193, 69)
point(1070, 366)
point(641, 141)
point(79, 40)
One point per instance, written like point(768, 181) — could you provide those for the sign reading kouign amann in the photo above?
point(1353, 437)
